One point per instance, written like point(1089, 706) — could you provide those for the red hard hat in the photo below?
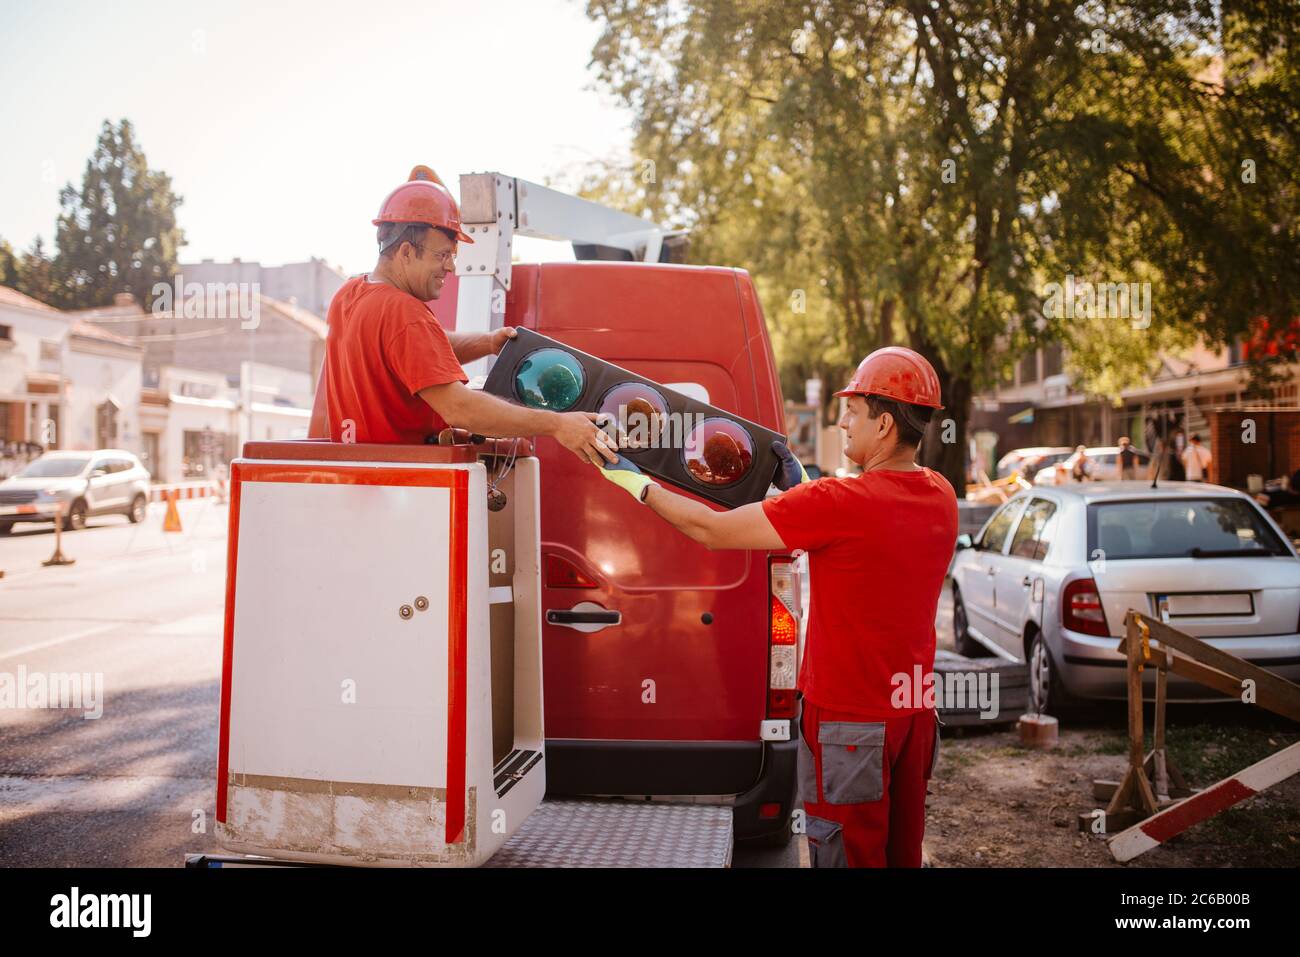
point(896, 373)
point(422, 199)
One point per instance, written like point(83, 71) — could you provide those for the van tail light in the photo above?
point(785, 611)
point(562, 573)
point(1081, 608)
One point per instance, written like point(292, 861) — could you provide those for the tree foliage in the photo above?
point(921, 170)
point(118, 232)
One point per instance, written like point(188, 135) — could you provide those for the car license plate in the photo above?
point(26, 509)
point(1204, 605)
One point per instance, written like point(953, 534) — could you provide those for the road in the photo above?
point(142, 608)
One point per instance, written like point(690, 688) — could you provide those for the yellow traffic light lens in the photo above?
point(718, 452)
point(550, 379)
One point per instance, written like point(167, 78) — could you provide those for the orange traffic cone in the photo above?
point(172, 522)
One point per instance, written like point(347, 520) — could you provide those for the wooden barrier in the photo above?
point(1153, 801)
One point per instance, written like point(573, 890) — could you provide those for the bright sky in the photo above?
point(284, 124)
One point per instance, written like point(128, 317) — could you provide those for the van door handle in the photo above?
point(557, 617)
point(1026, 581)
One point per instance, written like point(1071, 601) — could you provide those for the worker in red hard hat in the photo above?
point(392, 374)
point(878, 545)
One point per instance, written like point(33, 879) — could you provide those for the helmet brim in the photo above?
point(460, 233)
point(847, 392)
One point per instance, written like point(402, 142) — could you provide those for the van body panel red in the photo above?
point(662, 674)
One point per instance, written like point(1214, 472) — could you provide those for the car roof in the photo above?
point(82, 453)
point(1118, 491)
point(1040, 450)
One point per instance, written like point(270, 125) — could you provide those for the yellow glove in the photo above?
point(628, 477)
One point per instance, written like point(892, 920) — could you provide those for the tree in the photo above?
point(928, 168)
point(36, 273)
point(8, 265)
point(118, 233)
point(30, 272)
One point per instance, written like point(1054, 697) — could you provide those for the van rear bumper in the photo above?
point(744, 774)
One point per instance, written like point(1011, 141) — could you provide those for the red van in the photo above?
point(682, 694)
point(674, 700)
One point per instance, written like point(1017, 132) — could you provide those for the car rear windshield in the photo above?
point(1182, 528)
point(54, 468)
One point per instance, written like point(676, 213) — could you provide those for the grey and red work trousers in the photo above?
point(863, 786)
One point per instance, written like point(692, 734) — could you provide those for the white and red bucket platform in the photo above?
point(381, 683)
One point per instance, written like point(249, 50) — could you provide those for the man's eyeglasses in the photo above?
point(447, 258)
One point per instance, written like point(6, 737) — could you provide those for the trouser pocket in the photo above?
point(825, 843)
point(853, 755)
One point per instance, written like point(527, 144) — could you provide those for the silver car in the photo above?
point(1050, 576)
point(82, 484)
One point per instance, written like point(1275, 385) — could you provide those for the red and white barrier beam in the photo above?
point(1173, 820)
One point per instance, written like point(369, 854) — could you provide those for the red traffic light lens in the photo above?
point(718, 452)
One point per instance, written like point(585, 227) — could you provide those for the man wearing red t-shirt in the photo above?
point(392, 374)
point(878, 546)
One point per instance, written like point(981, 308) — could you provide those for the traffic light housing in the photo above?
point(680, 440)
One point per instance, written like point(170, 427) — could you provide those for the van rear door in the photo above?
point(686, 662)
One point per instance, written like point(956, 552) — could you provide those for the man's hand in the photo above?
point(578, 432)
point(500, 337)
point(791, 473)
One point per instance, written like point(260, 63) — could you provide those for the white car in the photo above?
point(1103, 466)
point(1049, 578)
point(1029, 461)
point(107, 481)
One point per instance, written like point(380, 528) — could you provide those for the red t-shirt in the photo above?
point(878, 548)
point(383, 347)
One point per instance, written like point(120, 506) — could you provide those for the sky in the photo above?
point(284, 124)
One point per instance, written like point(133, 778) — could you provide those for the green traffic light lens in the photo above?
point(550, 379)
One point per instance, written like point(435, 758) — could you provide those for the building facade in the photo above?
point(309, 285)
point(1197, 393)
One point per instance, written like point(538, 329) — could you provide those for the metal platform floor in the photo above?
point(575, 833)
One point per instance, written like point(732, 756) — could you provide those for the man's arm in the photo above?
point(485, 414)
point(744, 527)
point(318, 427)
point(469, 346)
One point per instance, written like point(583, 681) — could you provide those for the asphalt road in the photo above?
point(142, 608)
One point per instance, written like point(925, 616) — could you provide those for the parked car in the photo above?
point(1103, 466)
point(1051, 575)
point(104, 482)
point(1029, 461)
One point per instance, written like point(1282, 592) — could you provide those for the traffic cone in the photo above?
point(172, 521)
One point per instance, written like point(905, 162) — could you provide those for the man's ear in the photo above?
point(886, 420)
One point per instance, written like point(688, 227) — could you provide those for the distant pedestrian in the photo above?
point(1082, 468)
point(1196, 460)
point(1177, 445)
point(1128, 460)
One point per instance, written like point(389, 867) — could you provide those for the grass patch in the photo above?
point(1207, 753)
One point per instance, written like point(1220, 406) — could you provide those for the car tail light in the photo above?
point(783, 637)
point(561, 573)
point(1081, 608)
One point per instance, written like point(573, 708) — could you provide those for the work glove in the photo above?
point(790, 473)
point(624, 473)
